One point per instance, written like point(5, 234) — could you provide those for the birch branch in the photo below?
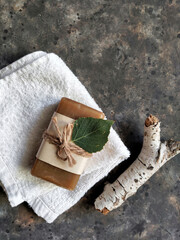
point(154, 154)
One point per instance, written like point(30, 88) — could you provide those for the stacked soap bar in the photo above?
point(48, 172)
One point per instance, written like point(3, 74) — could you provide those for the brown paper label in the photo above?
point(47, 151)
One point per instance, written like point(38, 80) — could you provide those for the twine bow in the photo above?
point(65, 147)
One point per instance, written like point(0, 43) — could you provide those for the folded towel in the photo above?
point(30, 90)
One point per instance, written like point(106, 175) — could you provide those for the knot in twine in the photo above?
point(65, 147)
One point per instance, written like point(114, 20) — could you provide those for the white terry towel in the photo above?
point(30, 90)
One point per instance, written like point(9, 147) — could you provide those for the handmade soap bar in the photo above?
point(46, 171)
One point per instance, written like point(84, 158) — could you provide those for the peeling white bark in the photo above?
point(154, 155)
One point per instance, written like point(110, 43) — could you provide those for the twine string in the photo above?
point(65, 147)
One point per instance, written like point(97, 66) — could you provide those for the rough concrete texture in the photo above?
point(127, 54)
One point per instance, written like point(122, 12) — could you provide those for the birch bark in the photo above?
point(154, 154)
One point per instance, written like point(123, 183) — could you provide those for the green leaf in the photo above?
point(91, 134)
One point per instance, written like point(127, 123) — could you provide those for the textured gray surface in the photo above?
point(127, 54)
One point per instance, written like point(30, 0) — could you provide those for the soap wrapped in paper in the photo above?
point(48, 165)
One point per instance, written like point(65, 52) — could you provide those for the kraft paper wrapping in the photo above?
point(47, 151)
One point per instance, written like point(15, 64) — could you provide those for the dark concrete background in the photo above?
point(127, 54)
